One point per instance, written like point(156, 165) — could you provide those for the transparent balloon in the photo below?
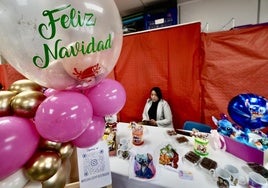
point(61, 44)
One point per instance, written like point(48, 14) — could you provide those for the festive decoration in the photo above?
point(59, 179)
point(26, 103)
point(249, 110)
point(49, 155)
point(60, 44)
point(64, 116)
point(24, 85)
point(107, 98)
point(48, 145)
point(63, 49)
point(42, 165)
point(251, 137)
point(18, 141)
point(92, 134)
point(5, 100)
point(50, 91)
point(66, 150)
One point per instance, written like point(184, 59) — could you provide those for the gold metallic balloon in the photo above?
point(42, 165)
point(74, 174)
point(66, 150)
point(24, 85)
point(26, 103)
point(5, 100)
point(59, 179)
point(49, 145)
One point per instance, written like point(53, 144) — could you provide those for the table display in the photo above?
point(159, 141)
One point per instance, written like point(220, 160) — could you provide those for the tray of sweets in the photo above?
point(182, 139)
point(171, 132)
point(192, 157)
point(208, 164)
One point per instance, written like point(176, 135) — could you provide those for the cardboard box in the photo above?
point(161, 18)
point(245, 152)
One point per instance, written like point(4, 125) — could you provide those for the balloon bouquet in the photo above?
point(65, 49)
point(249, 111)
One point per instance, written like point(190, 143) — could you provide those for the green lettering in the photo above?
point(71, 50)
point(91, 46)
point(108, 42)
point(100, 46)
point(64, 20)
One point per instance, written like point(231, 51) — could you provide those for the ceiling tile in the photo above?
point(127, 7)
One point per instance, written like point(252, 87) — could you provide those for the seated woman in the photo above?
point(157, 111)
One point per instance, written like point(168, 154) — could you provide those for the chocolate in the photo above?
point(171, 132)
point(182, 139)
point(208, 163)
point(192, 157)
point(259, 169)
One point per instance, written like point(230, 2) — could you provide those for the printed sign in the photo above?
point(93, 166)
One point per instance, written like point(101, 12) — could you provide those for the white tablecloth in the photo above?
point(166, 178)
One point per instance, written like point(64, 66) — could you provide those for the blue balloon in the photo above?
point(249, 110)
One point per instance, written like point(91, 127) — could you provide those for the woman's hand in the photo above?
point(153, 122)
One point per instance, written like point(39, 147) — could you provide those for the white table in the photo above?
point(155, 136)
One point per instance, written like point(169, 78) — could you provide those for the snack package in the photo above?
point(185, 174)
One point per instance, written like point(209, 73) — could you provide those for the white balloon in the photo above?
point(64, 80)
point(84, 36)
point(17, 179)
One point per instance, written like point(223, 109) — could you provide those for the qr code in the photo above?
point(93, 162)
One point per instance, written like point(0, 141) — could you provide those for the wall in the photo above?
point(218, 15)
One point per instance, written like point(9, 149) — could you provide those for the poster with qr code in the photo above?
point(94, 166)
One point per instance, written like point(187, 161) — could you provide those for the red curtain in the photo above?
point(235, 62)
point(198, 73)
point(168, 58)
point(8, 75)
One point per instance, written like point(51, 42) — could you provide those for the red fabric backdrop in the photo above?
point(199, 73)
point(168, 58)
point(235, 62)
point(8, 75)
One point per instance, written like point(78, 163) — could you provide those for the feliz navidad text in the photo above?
point(73, 20)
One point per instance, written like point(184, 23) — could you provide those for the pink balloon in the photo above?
point(18, 142)
point(48, 92)
point(92, 134)
point(108, 97)
point(63, 116)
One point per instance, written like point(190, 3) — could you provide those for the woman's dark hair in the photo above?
point(158, 92)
